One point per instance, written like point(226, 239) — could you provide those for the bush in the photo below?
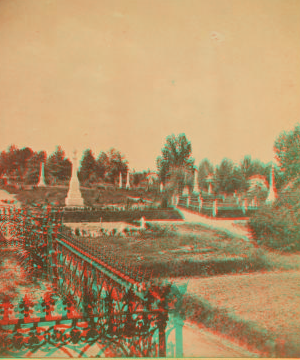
point(277, 226)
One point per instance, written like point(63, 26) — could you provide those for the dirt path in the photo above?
point(227, 225)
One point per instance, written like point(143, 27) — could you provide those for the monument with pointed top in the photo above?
point(127, 181)
point(120, 180)
point(272, 195)
point(74, 197)
point(196, 189)
point(41, 182)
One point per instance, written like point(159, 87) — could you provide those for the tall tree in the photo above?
point(224, 176)
point(205, 170)
point(87, 171)
point(287, 150)
point(33, 167)
point(102, 165)
point(58, 167)
point(116, 164)
point(251, 167)
point(175, 162)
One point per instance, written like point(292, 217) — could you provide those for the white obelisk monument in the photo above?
point(120, 180)
point(196, 189)
point(127, 181)
point(41, 182)
point(272, 195)
point(74, 197)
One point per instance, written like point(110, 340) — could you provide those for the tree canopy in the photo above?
point(88, 165)
point(287, 150)
point(176, 156)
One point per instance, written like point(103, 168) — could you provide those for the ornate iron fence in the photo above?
point(100, 304)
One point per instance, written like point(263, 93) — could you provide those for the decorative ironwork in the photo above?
point(94, 303)
point(126, 330)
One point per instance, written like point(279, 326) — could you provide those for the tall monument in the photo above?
point(127, 180)
point(272, 195)
point(120, 180)
point(74, 197)
point(196, 189)
point(41, 182)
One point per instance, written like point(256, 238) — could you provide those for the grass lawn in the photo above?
point(92, 196)
point(165, 252)
point(259, 308)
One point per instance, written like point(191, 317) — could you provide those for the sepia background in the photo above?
point(126, 74)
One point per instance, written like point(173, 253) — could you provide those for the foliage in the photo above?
point(175, 160)
point(251, 167)
point(14, 162)
point(287, 149)
point(205, 170)
point(224, 177)
point(277, 226)
point(102, 165)
point(58, 167)
point(87, 169)
point(138, 177)
point(33, 167)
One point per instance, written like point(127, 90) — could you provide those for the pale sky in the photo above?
point(127, 73)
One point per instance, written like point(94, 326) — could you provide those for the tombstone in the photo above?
point(215, 208)
point(120, 180)
point(272, 195)
point(188, 201)
point(185, 191)
point(127, 181)
point(161, 187)
point(196, 189)
point(74, 197)
point(245, 206)
point(200, 203)
point(143, 223)
point(209, 189)
point(41, 182)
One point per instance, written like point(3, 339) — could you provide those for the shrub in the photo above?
point(277, 226)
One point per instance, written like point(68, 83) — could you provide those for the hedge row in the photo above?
point(126, 215)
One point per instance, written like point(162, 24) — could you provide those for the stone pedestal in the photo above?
point(74, 197)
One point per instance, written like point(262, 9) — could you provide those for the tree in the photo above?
point(116, 164)
point(102, 165)
point(251, 167)
point(287, 150)
point(224, 176)
point(138, 177)
point(175, 161)
point(205, 170)
point(33, 167)
point(14, 162)
point(87, 169)
point(58, 167)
